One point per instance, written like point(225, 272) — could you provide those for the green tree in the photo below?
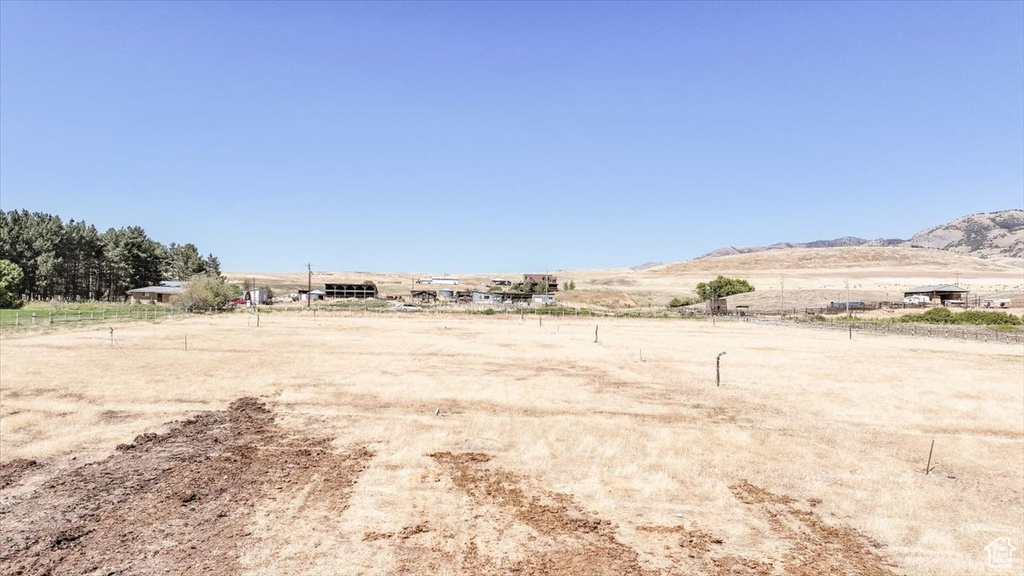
point(211, 265)
point(721, 287)
point(183, 262)
point(134, 259)
point(73, 261)
point(10, 284)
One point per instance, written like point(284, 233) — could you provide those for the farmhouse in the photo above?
point(159, 294)
point(546, 281)
point(500, 282)
point(366, 290)
point(942, 294)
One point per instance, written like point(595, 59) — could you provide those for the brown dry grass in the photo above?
point(648, 460)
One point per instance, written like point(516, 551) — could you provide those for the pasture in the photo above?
point(434, 444)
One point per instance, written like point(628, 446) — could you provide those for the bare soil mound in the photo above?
point(12, 472)
point(169, 503)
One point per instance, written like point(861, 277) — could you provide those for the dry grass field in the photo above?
point(433, 444)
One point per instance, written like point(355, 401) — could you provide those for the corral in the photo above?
point(376, 444)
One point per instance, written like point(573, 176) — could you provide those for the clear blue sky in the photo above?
point(474, 137)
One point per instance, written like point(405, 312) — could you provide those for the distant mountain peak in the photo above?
point(986, 235)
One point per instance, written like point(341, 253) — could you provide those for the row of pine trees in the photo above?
point(74, 261)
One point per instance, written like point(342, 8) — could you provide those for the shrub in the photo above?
point(205, 291)
point(974, 317)
point(677, 303)
point(981, 317)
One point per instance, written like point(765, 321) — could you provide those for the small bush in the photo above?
point(972, 317)
point(677, 303)
point(206, 291)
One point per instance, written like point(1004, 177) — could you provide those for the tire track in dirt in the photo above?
point(177, 502)
point(815, 547)
point(582, 543)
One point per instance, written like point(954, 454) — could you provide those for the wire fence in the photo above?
point(28, 319)
point(770, 317)
point(947, 332)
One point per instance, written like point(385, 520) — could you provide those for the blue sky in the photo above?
point(475, 137)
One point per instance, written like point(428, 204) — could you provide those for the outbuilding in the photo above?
point(941, 294)
point(364, 290)
point(311, 295)
point(486, 297)
point(539, 300)
point(425, 296)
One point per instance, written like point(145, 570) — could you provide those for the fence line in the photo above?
point(28, 319)
point(949, 332)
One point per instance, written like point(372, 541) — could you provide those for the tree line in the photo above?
point(74, 261)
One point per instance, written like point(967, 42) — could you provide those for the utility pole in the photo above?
point(847, 298)
point(309, 285)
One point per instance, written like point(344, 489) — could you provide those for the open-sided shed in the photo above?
point(941, 294)
point(366, 290)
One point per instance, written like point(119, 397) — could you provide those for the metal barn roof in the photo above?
point(937, 288)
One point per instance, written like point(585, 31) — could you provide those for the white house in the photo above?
point(158, 294)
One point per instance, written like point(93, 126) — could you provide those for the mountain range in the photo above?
point(993, 234)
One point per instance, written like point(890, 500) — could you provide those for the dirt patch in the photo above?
point(815, 546)
point(12, 472)
point(115, 416)
point(696, 541)
point(581, 542)
point(177, 502)
point(403, 534)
